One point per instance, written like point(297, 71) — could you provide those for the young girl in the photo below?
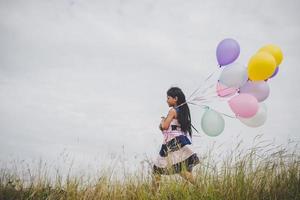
point(176, 155)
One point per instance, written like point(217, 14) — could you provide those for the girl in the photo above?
point(175, 156)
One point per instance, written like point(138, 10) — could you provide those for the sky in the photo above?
point(86, 81)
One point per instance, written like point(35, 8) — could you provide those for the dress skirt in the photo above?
point(176, 156)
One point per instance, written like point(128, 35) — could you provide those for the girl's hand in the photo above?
point(165, 122)
point(160, 128)
point(160, 125)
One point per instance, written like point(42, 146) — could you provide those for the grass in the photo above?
point(264, 171)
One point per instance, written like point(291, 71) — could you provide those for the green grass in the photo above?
point(264, 171)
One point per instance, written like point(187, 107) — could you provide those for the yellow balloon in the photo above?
point(274, 50)
point(261, 66)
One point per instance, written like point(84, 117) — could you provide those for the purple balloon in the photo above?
point(259, 89)
point(276, 71)
point(228, 51)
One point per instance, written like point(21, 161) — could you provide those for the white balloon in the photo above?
point(258, 119)
point(212, 123)
point(234, 75)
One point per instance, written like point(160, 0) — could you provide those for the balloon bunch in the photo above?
point(247, 87)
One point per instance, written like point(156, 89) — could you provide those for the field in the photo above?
point(264, 171)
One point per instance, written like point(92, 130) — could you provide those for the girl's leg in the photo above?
point(155, 181)
point(188, 176)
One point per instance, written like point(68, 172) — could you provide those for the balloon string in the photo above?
point(230, 116)
point(224, 89)
point(213, 93)
point(197, 89)
point(212, 97)
point(207, 88)
point(203, 84)
point(221, 90)
point(207, 78)
point(206, 106)
point(207, 97)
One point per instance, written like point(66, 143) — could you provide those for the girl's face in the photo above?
point(172, 101)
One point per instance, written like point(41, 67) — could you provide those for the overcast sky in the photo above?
point(88, 79)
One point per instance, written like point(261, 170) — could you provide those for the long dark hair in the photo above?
point(183, 116)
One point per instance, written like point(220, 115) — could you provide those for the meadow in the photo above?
point(264, 171)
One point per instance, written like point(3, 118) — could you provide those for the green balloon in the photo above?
point(212, 123)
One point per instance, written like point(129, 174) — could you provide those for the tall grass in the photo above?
point(265, 171)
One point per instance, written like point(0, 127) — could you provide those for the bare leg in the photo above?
point(188, 176)
point(155, 181)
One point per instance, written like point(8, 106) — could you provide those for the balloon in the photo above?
point(212, 122)
point(261, 66)
point(258, 119)
point(275, 51)
point(228, 51)
point(259, 89)
point(234, 75)
point(276, 71)
point(224, 91)
point(244, 105)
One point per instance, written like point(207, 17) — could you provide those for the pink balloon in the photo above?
point(244, 105)
point(224, 91)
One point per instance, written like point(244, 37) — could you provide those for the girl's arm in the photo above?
point(167, 121)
